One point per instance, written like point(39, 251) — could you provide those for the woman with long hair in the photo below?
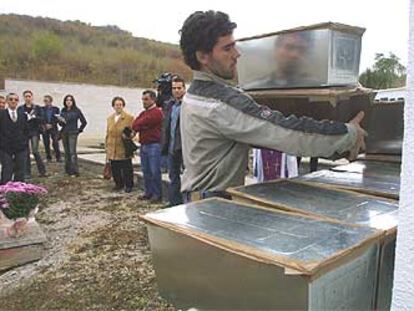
point(69, 118)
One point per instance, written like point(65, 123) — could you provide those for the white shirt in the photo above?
point(11, 113)
point(117, 116)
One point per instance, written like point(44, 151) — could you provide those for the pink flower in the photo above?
point(22, 187)
point(18, 187)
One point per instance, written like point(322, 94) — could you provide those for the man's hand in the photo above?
point(61, 119)
point(30, 115)
point(48, 126)
point(361, 133)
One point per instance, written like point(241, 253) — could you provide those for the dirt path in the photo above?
point(97, 253)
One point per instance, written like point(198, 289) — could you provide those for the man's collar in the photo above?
point(152, 107)
point(207, 76)
point(9, 111)
point(178, 101)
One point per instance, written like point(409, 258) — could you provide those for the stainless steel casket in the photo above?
point(370, 177)
point(221, 255)
point(321, 55)
point(385, 125)
point(334, 205)
point(307, 71)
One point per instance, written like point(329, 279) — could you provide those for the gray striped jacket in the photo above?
point(220, 122)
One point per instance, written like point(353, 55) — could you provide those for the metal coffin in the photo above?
point(320, 55)
point(218, 254)
point(385, 125)
point(335, 205)
point(376, 178)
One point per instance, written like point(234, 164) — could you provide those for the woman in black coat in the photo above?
point(69, 118)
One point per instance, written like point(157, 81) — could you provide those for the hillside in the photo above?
point(51, 50)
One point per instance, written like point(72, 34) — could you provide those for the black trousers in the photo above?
point(47, 136)
point(123, 173)
point(313, 163)
point(13, 164)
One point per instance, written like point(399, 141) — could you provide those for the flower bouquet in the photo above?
point(18, 202)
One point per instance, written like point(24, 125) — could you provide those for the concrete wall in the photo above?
point(403, 294)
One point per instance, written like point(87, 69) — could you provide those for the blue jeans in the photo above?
point(34, 143)
point(47, 136)
point(175, 164)
point(151, 168)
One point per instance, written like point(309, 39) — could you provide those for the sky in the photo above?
point(386, 21)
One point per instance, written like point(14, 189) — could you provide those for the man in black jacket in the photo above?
point(164, 97)
point(172, 142)
point(50, 131)
point(13, 141)
point(34, 121)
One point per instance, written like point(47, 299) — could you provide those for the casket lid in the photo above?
point(326, 25)
point(329, 204)
point(379, 183)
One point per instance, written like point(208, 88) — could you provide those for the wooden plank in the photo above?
point(336, 93)
point(17, 256)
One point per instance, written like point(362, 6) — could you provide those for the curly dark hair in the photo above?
point(201, 31)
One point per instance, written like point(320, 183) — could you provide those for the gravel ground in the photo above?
point(97, 253)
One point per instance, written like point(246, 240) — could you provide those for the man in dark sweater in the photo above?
point(171, 145)
point(34, 121)
point(50, 131)
point(148, 124)
point(13, 141)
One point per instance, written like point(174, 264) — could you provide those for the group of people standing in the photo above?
point(22, 127)
point(158, 128)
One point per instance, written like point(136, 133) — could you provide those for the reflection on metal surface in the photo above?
point(347, 207)
point(295, 237)
point(305, 58)
point(385, 128)
point(386, 274)
point(353, 208)
point(371, 183)
point(387, 158)
point(370, 168)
